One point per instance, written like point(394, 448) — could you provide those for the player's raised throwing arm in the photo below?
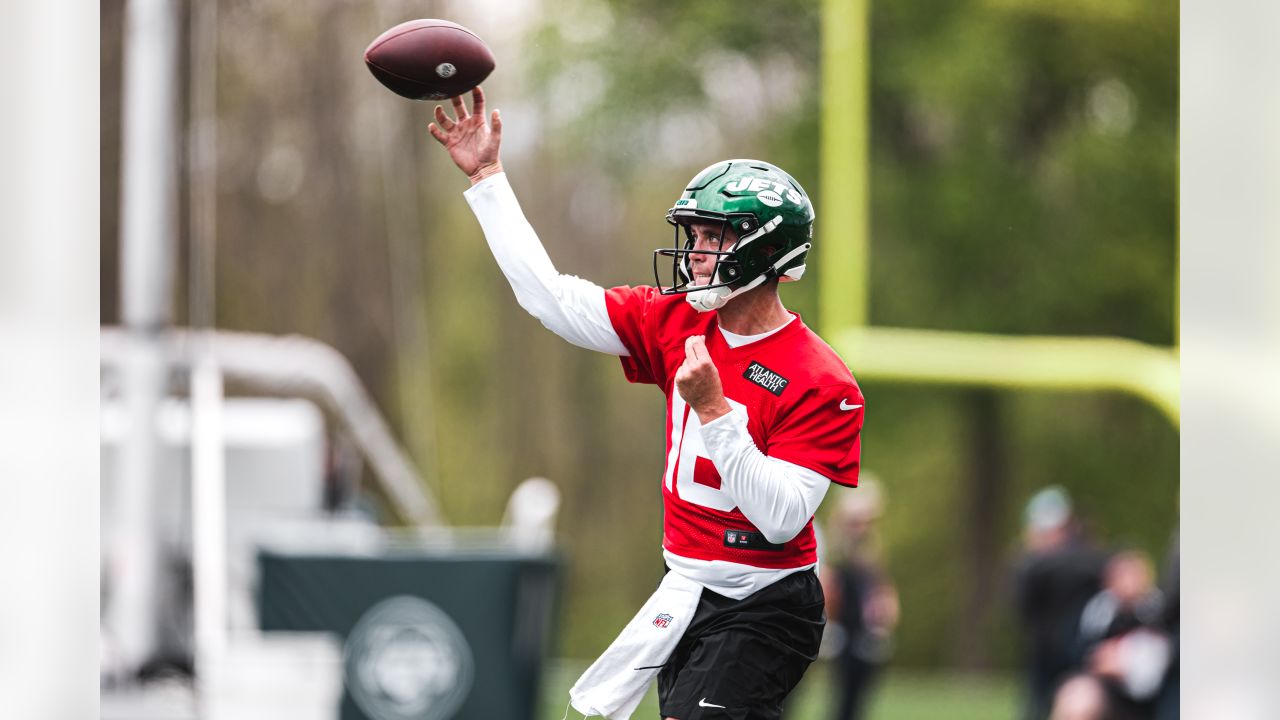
point(568, 306)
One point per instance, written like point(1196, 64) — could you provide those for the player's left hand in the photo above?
point(698, 381)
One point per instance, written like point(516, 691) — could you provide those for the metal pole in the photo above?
point(943, 357)
point(147, 228)
point(208, 470)
point(843, 215)
point(209, 525)
point(149, 172)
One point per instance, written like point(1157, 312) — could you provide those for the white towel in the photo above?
point(616, 682)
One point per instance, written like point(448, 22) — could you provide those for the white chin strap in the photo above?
point(709, 299)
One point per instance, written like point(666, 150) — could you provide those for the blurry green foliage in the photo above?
point(1023, 181)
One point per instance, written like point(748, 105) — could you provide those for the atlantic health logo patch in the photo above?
point(766, 378)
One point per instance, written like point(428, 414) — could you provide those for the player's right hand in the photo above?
point(698, 381)
point(472, 143)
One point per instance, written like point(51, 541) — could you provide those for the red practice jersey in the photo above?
point(802, 406)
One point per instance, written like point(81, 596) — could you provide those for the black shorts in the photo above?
point(740, 658)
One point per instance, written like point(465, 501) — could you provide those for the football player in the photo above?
point(762, 415)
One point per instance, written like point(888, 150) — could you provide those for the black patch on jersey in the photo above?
point(766, 378)
point(748, 540)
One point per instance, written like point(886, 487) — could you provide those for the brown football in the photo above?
point(429, 59)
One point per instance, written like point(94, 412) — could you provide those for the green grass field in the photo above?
point(902, 695)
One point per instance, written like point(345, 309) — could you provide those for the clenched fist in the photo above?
point(698, 381)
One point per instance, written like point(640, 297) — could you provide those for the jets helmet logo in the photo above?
point(769, 192)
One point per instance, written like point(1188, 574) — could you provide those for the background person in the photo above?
point(1057, 574)
point(1125, 647)
point(862, 602)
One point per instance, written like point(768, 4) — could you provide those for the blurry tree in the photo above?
point(1024, 181)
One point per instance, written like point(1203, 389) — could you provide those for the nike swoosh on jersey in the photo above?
point(845, 406)
point(703, 703)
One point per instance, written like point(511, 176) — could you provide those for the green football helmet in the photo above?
point(767, 210)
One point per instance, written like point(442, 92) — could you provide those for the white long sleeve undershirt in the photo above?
point(566, 305)
point(778, 497)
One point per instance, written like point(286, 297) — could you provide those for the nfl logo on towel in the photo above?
point(663, 620)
